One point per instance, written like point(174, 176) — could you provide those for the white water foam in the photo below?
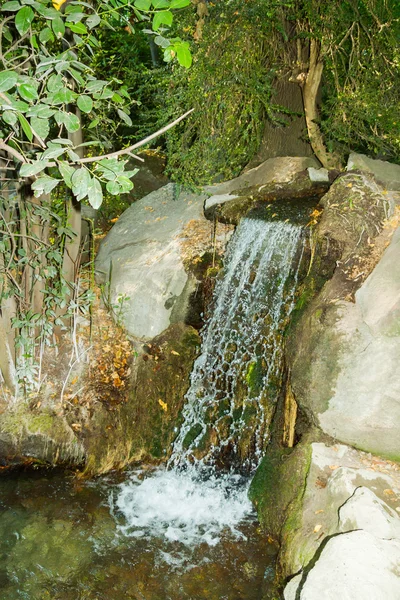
point(178, 507)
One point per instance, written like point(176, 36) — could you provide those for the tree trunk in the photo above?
point(310, 87)
point(74, 221)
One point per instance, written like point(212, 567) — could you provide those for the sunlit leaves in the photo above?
point(23, 19)
point(30, 169)
point(44, 185)
point(85, 103)
point(11, 6)
point(8, 80)
point(163, 17)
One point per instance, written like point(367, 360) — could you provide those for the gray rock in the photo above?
point(141, 260)
point(364, 408)
point(364, 510)
point(387, 173)
point(318, 175)
point(345, 490)
point(279, 170)
point(355, 566)
point(291, 588)
point(217, 200)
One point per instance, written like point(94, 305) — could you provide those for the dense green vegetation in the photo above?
point(343, 54)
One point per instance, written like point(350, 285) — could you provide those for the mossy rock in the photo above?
point(145, 426)
point(278, 485)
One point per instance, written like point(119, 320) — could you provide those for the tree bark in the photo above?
point(310, 86)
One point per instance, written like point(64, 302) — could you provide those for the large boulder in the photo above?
point(346, 349)
point(350, 353)
point(140, 261)
point(352, 566)
point(385, 172)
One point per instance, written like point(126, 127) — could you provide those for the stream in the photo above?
point(154, 536)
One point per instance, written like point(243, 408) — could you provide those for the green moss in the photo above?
point(279, 482)
point(191, 435)
point(254, 377)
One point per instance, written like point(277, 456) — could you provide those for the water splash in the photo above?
point(181, 508)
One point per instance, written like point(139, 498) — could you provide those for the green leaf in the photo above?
point(81, 180)
point(85, 103)
point(52, 152)
point(28, 170)
point(113, 188)
point(63, 96)
point(95, 193)
point(94, 123)
point(46, 35)
point(143, 4)
point(161, 41)
point(11, 6)
point(183, 54)
point(70, 120)
point(9, 117)
point(58, 27)
point(126, 118)
point(44, 185)
point(41, 110)
point(93, 21)
point(79, 28)
point(54, 83)
point(28, 92)
point(160, 3)
point(125, 184)
point(163, 17)
point(95, 85)
point(26, 127)
point(62, 142)
point(8, 79)
point(23, 19)
point(40, 126)
point(179, 3)
point(66, 172)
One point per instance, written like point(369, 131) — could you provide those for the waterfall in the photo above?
point(236, 378)
point(234, 387)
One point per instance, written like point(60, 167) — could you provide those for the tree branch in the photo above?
point(88, 159)
point(10, 150)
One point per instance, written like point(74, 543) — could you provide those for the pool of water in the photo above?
point(146, 535)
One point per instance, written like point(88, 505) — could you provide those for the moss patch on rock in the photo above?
point(145, 426)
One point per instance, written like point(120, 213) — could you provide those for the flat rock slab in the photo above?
point(341, 482)
point(141, 260)
point(352, 566)
point(346, 492)
point(275, 171)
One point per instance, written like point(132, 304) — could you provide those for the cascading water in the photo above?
point(234, 380)
point(234, 384)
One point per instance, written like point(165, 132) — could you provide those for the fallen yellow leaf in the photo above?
point(317, 528)
point(163, 405)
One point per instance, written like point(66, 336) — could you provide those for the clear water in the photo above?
point(62, 539)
